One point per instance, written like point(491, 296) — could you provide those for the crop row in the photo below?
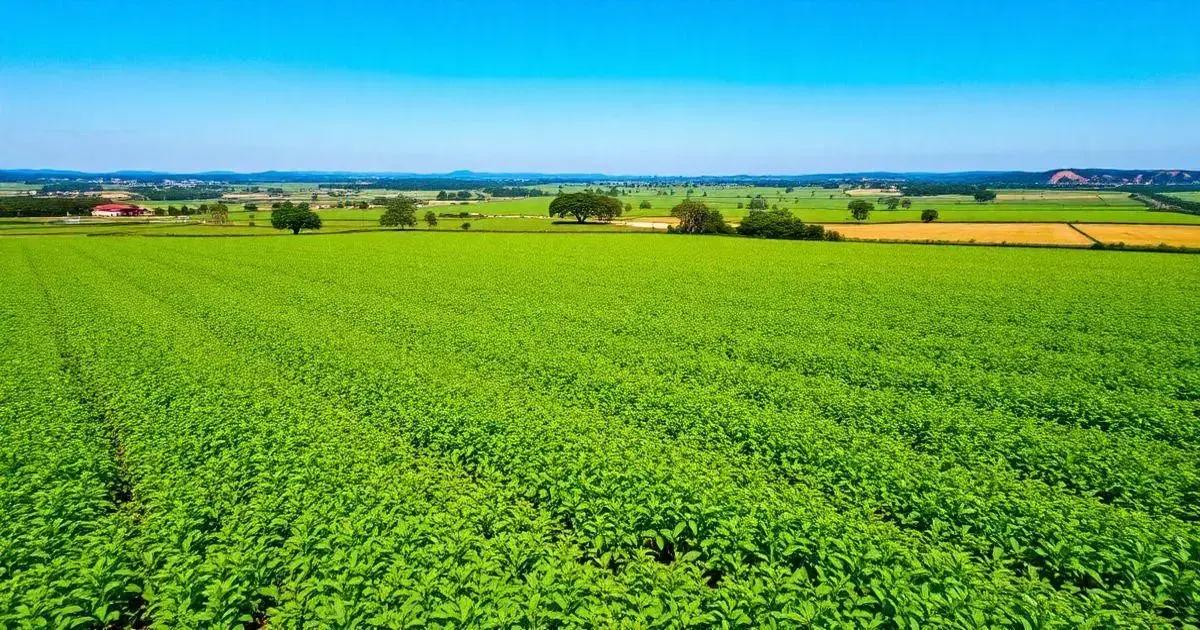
point(63, 558)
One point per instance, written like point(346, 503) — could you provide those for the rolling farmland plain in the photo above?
point(622, 430)
point(1040, 217)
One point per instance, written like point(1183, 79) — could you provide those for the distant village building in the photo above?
point(118, 210)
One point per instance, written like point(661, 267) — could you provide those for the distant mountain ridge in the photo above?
point(1106, 176)
point(1056, 177)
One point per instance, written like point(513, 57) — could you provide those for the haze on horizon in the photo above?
point(614, 87)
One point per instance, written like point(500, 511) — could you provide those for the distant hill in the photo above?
point(1115, 177)
point(468, 179)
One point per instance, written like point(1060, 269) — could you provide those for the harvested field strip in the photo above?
point(1144, 235)
point(1015, 233)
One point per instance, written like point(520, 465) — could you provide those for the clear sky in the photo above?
point(624, 87)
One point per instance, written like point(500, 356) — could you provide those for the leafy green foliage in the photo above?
point(929, 215)
point(22, 206)
point(401, 212)
point(782, 224)
point(714, 432)
point(860, 209)
point(585, 205)
point(294, 217)
point(1160, 201)
point(695, 217)
point(177, 193)
point(219, 214)
point(930, 189)
point(514, 191)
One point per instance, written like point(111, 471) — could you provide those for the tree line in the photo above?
point(514, 191)
point(461, 195)
point(1159, 201)
point(695, 217)
point(930, 189)
point(47, 206)
point(178, 193)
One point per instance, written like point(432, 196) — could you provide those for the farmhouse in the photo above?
point(118, 210)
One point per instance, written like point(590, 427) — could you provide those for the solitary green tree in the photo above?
point(294, 217)
point(758, 203)
point(401, 212)
point(219, 214)
point(984, 196)
point(928, 215)
point(695, 217)
point(860, 209)
point(645, 205)
point(892, 203)
point(584, 205)
point(430, 218)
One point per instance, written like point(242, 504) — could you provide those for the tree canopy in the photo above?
point(929, 215)
point(294, 217)
point(401, 212)
point(860, 209)
point(695, 217)
point(47, 206)
point(984, 196)
point(219, 214)
point(585, 205)
point(782, 224)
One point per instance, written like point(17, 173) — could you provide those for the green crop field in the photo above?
point(624, 430)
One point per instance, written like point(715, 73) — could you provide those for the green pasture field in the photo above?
point(418, 429)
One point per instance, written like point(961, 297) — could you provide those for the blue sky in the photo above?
point(620, 87)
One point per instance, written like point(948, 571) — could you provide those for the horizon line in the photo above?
point(463, 172)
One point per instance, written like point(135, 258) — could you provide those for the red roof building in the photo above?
point(118, 210)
